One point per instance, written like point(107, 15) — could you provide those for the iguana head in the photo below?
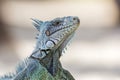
point(55, 33)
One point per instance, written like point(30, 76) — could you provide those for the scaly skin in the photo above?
point(44, 64)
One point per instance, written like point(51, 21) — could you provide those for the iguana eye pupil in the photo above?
point(56, 23)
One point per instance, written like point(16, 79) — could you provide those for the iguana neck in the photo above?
point(51, 61)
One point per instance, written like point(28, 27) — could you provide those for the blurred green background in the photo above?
point(94, 53)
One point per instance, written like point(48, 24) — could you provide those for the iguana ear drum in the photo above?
point(50, 44)
point(47, 33)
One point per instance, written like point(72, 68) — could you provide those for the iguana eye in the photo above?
point(56, 23)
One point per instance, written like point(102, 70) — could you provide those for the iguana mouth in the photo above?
point(69, 26)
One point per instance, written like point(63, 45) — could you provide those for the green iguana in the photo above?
point(43, 63)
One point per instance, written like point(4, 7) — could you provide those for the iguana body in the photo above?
point(44, 62)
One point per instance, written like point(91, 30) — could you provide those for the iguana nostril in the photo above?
point(76, 19)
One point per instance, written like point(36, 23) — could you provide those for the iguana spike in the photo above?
point(65, 48)
point(37, 23)
point(63, 51)
point(36, 37)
